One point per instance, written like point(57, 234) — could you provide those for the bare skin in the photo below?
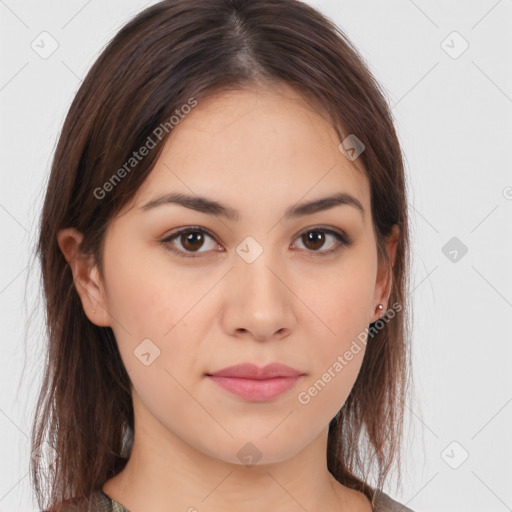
point(259, 152)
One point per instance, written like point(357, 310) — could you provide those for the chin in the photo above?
point(249, 452)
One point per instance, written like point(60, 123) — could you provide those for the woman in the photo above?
point(224, 250)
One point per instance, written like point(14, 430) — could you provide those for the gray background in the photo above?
point(453, 112)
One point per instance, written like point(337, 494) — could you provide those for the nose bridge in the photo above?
point(255, 272)
point(257, 299)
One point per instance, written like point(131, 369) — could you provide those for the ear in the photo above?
point(385, 274)
point(85, 276)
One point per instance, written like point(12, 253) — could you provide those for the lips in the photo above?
point(254, 383)
point(252, 371)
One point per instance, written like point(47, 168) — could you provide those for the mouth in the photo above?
point(254, 383)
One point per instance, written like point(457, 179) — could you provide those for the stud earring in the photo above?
point(381, 307)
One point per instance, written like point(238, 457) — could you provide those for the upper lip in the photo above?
point(252, 371)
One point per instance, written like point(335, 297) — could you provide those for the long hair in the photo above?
point(170, 55)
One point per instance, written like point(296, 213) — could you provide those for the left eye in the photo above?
point(192, 239)
point(315, 239)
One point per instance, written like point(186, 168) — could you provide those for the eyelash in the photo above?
point(344, 241)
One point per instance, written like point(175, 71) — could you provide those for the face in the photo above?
point(255, 277)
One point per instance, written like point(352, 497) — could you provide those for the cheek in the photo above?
point(341, 304)
point(159, 317)
point(148, 295)
point(336, 358)
point(340, 299)
point(156, 311)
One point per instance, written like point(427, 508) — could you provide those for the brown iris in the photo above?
point(316, 238)
point(192, 240)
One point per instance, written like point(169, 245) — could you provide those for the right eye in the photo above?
point(191, 239)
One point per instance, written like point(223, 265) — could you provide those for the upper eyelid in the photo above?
point(190, 229)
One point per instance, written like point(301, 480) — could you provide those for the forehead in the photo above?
point(263, 144)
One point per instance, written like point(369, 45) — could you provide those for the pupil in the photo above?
point(192, 238)
point(316, 238)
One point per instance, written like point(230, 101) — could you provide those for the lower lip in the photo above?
point(257, 390)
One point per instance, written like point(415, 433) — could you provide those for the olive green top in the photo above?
point(101, 502)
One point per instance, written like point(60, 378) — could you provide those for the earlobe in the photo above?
point(85, 276)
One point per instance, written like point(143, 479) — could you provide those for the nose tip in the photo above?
point(257, 301)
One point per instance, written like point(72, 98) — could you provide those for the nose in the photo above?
point(259, 302)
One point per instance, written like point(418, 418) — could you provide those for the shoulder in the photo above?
point(98, 502)
point(384, 503)
point(76, 505)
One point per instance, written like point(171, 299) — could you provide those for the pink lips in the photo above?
point(254, 383)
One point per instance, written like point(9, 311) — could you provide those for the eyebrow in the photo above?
point(212, 207)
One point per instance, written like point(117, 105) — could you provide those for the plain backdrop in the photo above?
point(447, 69)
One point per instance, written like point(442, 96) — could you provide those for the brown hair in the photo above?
point(169, 53)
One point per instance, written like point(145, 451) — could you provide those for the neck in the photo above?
point(165, 472)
